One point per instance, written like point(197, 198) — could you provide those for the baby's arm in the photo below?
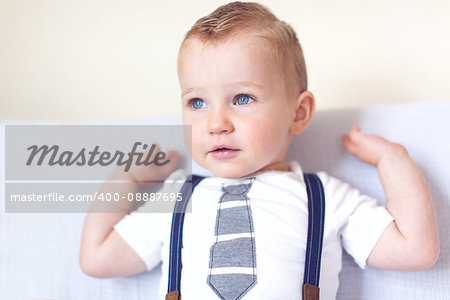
point(104, 253)
point(411, 242)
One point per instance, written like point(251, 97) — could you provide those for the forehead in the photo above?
point(238, 58)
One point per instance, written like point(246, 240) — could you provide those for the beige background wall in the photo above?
point(95, 60)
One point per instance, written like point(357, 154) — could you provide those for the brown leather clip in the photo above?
point(173, 295)
point(310, 292)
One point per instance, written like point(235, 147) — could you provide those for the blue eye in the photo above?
point(198, 104)
point(243, 100)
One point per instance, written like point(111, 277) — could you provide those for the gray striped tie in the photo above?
point(232, 260)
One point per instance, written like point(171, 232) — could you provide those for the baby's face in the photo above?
point(238, 105)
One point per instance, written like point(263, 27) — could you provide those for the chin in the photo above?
point(228, 175)
point(228, 170)
point(232, 173)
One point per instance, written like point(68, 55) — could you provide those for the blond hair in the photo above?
point(236, 18)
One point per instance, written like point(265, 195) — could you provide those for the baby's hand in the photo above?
point(371, 149)
point(152, 172)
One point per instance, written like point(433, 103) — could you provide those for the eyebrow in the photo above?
point(247, 83)
point(186, 92)
point(244, 83)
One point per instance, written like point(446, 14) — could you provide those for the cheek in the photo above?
point(196, 135)
point(268, 137)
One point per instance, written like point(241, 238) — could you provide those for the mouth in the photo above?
point(219, 148)
point(223, 151)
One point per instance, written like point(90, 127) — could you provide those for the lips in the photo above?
point(221, 148)
point(223, 151)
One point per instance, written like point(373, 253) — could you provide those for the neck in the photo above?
point(278, 166)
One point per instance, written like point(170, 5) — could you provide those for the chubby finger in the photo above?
point(173, 157)
point(349, 146)
point(355, 134)
point(352, 140)
point(154, 164)
point(169, 163)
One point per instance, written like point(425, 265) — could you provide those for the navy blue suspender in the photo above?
point(176, 237)
point(316, 217)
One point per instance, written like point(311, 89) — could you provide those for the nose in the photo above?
point(219, 122)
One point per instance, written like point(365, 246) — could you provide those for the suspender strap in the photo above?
point(316, 218)
point(176, 237)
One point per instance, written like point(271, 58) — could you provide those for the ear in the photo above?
point(304, 110)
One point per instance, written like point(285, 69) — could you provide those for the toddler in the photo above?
point(244, 92)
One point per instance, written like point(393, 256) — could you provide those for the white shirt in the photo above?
point(279, 207)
